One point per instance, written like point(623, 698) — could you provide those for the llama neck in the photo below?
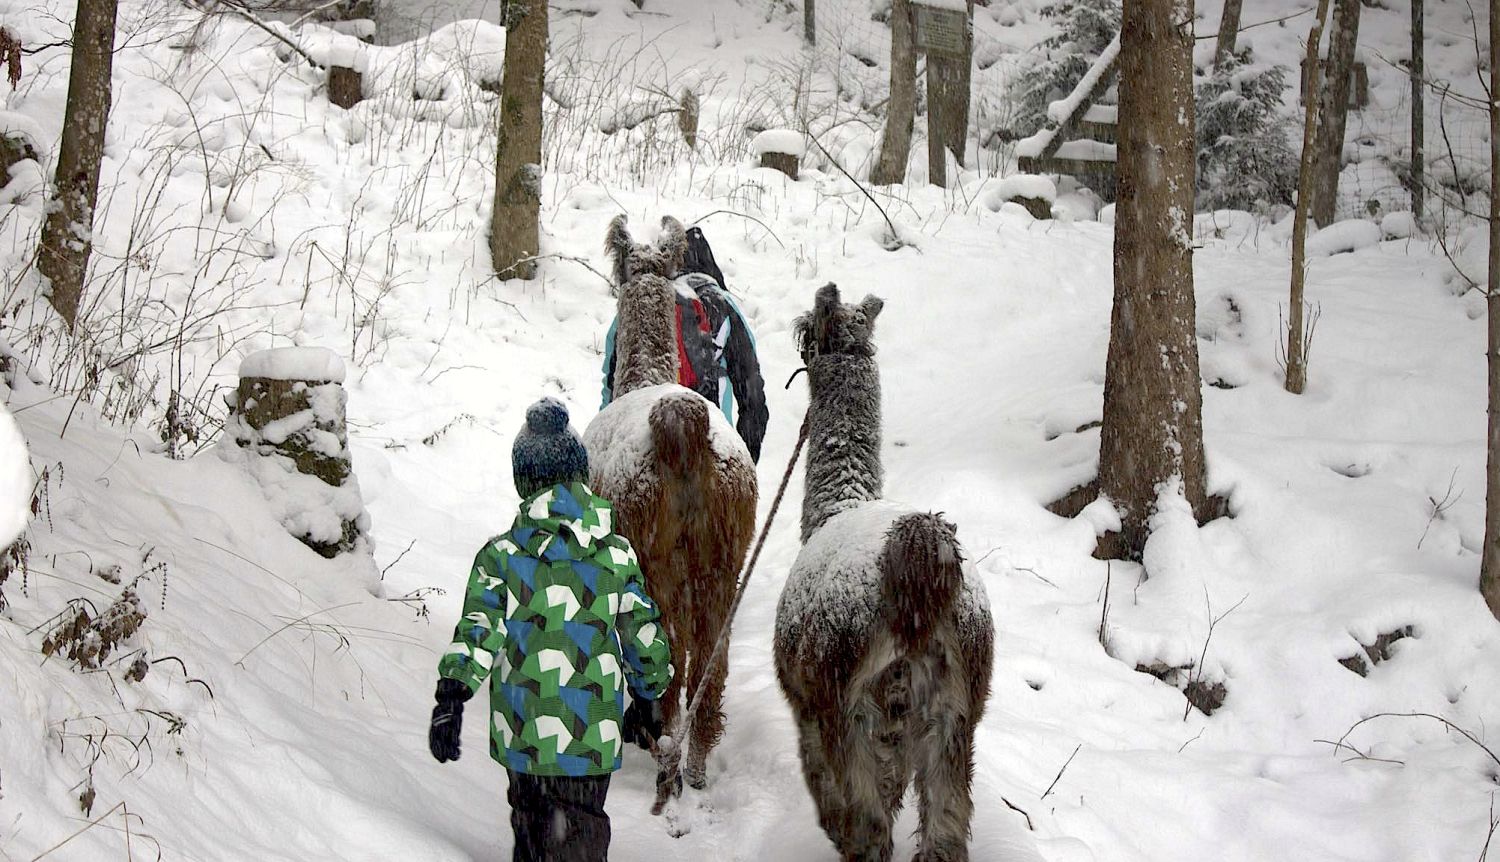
point(646, 337)
point(843, 437)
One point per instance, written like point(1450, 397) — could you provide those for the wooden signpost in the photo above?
point(944, 33)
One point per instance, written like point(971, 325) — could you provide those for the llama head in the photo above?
point(630, 258)
point(837, 327)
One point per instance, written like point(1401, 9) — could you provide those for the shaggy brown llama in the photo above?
point(883, 641)
point(681, 480)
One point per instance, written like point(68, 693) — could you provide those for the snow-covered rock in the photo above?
point(15, 479)
point(1401, 224)
point(1344, 236)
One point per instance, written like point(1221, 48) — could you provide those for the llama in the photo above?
point(681, 480)
point(883, 641)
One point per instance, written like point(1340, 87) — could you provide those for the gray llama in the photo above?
point(883, 642)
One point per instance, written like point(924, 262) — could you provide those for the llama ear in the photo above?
point(871, 306)
point(617, 244)
point(826, 300)
point(673, 244)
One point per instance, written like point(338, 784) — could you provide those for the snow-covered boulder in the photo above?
point(288, 429)
point(1344, 236)
point(15, 479)
point(1401, 224)
point(1033, 191)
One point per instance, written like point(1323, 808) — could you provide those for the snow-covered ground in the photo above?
point(285, 715)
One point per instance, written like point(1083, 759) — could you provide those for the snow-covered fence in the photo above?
point(287, 422)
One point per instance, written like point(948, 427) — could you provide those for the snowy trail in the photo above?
point(992, 351)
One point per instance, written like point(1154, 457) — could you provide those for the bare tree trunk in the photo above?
point(895, 146)
point(1328, 148)
point(1153, 430)
point(67, 236)
point(1489, 565)
point(809, 22)
point(1418, 133)
point(1229, 31)
point(514, 241)
point(1296, 344)
point(949, 81)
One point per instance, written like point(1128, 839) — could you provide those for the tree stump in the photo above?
point(288, 420)
point(781, 149)
point(345, 86)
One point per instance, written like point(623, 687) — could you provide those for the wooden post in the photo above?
point(946, 36)
point(781, 149)
point(345, 86)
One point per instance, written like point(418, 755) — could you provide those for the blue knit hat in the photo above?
point(547, 451)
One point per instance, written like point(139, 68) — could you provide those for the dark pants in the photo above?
point(559, 819)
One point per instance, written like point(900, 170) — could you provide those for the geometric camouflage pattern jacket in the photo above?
point(556, 615)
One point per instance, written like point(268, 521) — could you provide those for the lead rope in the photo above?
point(666, 749)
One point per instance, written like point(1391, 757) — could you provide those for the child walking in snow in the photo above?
point(557, 617)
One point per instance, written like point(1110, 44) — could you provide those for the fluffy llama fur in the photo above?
point(687, 505)
point(883, 644)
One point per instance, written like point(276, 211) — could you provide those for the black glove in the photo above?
point(643, 722)
point(448, 719)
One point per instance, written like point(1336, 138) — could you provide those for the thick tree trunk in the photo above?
point(949, 81)
point(514, 239)
point(1153, 432)
point(1333, 109)
point(1229, 31)
point(809, 22)
point(895, 146)
point(1296, 343)
point(1418, 133)
point(1489, 566)
point(67, 236)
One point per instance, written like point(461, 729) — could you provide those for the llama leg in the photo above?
point(708, 723)
point(945, 775)
point(867, 791)
point(712, 611)
point(822, 782)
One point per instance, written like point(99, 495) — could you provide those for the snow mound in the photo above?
point(15, 479)
point(1344, 236)
point(294, 363)
point(619, 435)
point(14, 125)
point(1399, 225)
point(1080, 205)
point(1471, 263)
point(785, 141)
point(1025, 186)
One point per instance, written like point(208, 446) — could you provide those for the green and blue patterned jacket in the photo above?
point(557, 617)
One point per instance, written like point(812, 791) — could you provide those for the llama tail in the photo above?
point(679, 433)
point(921, 574)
